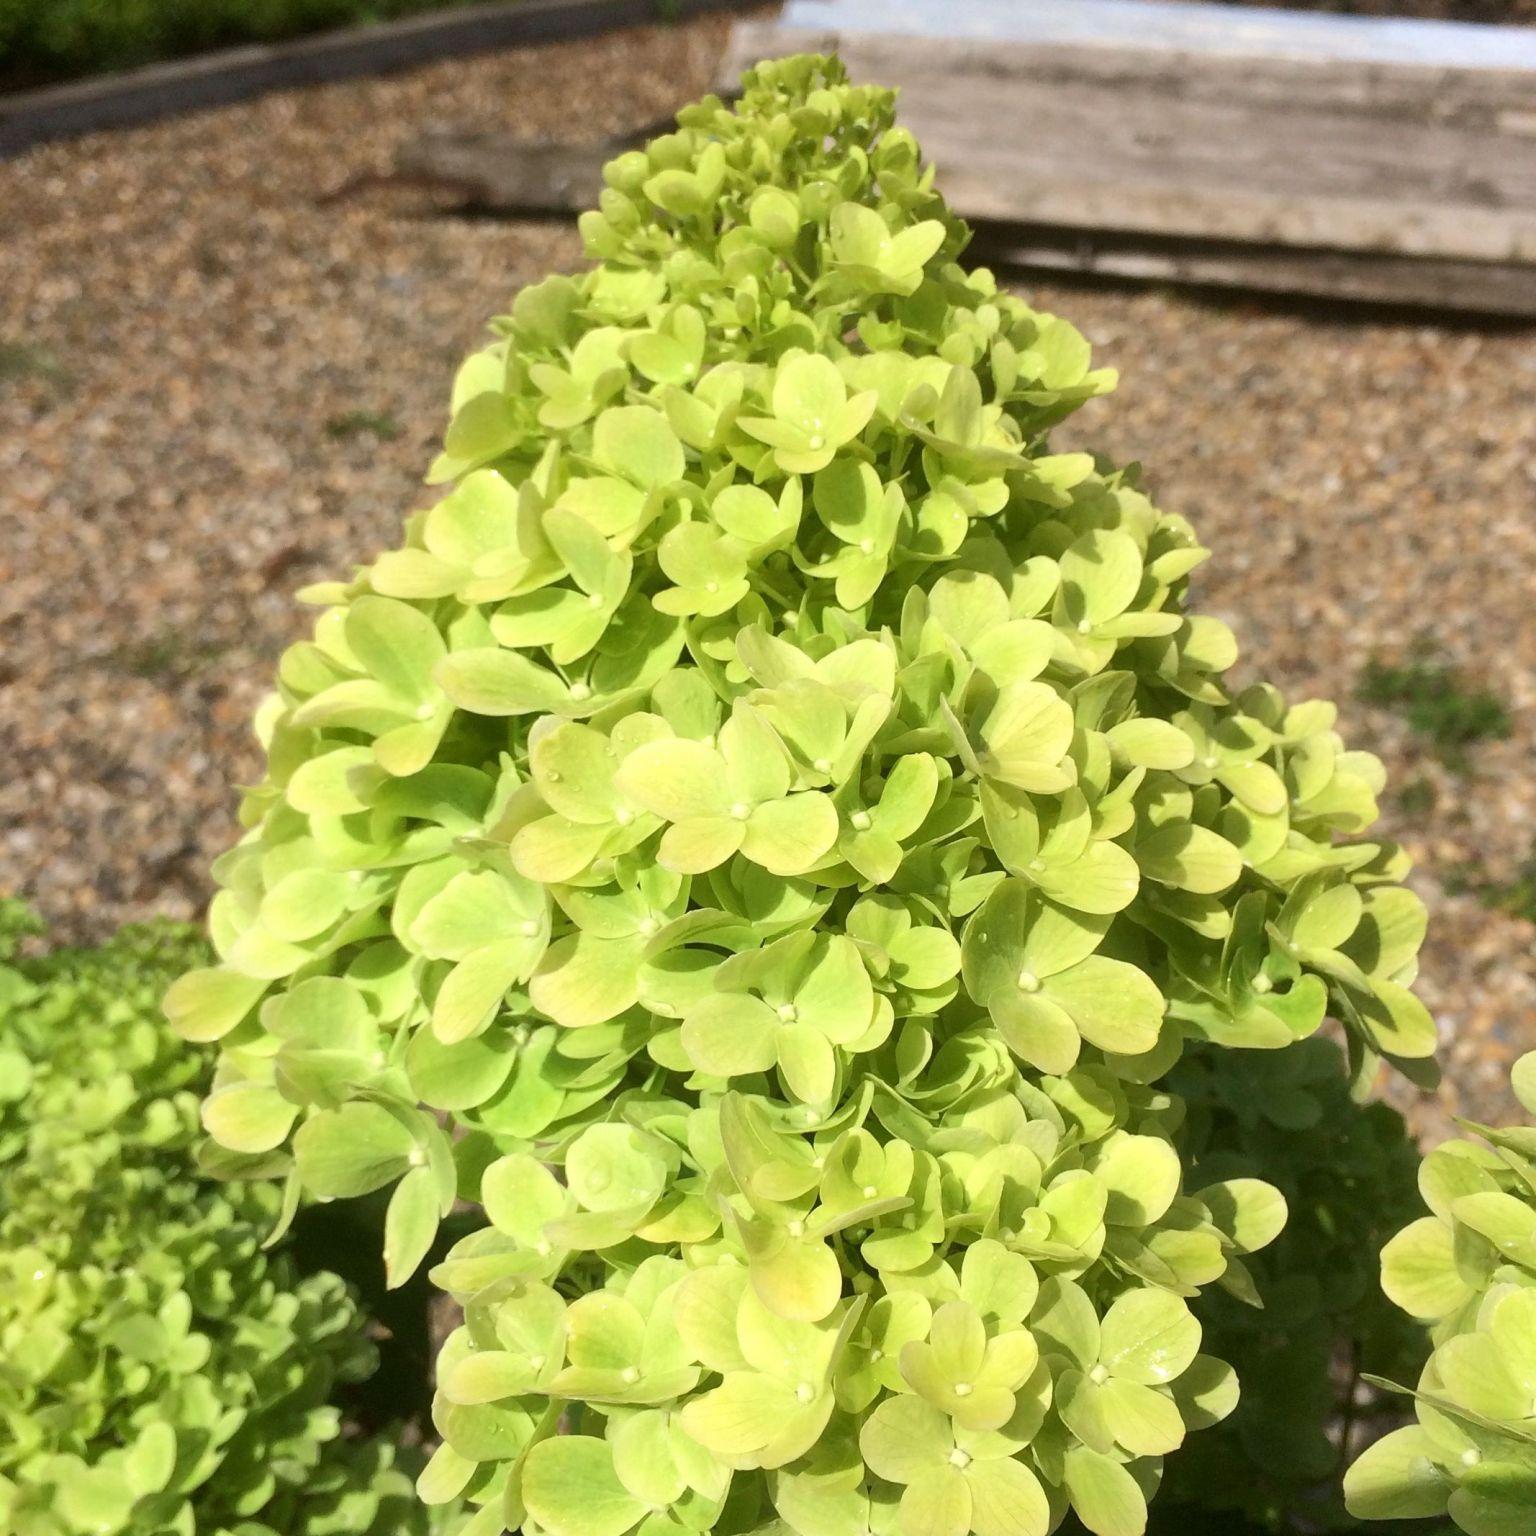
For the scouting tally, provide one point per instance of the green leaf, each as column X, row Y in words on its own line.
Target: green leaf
column 410, row 1224
column 351, row 1151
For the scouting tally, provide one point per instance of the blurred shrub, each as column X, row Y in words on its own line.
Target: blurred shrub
column 53, row 39
column 159, row 1374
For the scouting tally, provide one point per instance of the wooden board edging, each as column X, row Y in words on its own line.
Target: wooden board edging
column 219, row 79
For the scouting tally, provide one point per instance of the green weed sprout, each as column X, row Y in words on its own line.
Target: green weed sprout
column 764, row 839
column 159, row 1374
column 1468, row 1272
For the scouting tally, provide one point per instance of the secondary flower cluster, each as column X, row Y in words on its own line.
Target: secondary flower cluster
column 159, row 1374
column 1469, row 1271
column 763, row 838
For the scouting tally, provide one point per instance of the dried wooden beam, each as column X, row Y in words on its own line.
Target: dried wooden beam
column 490, row 172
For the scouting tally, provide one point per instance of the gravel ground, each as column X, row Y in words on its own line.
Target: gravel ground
column 215, row 385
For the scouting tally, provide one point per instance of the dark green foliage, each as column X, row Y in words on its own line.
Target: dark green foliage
column 1348, row 1175
column 160, row 1375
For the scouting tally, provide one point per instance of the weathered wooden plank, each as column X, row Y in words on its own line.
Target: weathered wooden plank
column 1422, row 91
column 1473, row 288
column 1272, row 32
column 491, row 173
column 1095, row 139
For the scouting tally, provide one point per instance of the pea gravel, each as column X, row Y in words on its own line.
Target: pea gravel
column 225, row 348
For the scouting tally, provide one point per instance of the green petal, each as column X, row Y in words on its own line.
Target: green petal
column 1149, row 1337
column 675, row 779
column 1106, row 1497
column 1114, row 1005
column 939, row 1504
column 788, row 837
column 1397, row 1479
column 571, row 1489
column 636, row 443
column 1007, row 1499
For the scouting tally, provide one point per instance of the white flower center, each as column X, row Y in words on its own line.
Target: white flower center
column 959, row 1459
column 741, row 810
column 822, row 765
column 788, row 1012
column 861, row 820
column 817, row 441
column 1099, row 1375
column 805, row 1392
column 1028, row 981
column 631, row 1374
column 580, row 691
column 530, row 927
column 623, row 815
column 424, row 711
column 962, row 1389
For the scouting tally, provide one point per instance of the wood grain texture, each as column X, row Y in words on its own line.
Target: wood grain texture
column 1417, row 161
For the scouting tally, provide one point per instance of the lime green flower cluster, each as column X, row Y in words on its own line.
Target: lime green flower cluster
column 1468, row 1271
column 763, row 839
column 159, row 1375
